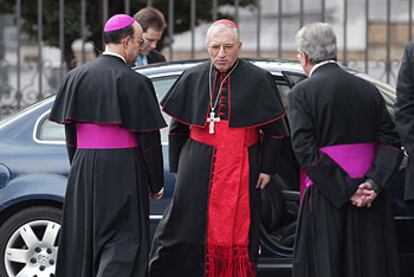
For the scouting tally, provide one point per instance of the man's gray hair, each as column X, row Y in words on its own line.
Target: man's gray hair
column 318, row 42
column 221, row 27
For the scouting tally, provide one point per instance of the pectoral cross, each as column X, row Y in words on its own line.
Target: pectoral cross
column 211, row 120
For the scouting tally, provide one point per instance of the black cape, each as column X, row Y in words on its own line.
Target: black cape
column 179, row 245
column 106, row 91
column 106, row 209
column 255, row 100
column 335, row 238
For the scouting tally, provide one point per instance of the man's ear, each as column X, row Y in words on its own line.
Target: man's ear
column 305, row 59
column 125, row 41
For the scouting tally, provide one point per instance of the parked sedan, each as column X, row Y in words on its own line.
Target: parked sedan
column 34, row 168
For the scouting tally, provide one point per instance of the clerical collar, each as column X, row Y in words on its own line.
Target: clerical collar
column 316, row 66
column 108, row 53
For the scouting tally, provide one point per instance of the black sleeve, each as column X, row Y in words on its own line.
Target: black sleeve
column 389, row 154
column 404, row 107
column 155, row 57
column 178, row 135
column 326, row 174
column 70, row 134
column 274, row 135
column 150, row 144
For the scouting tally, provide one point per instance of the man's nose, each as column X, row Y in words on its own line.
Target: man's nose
column 153, row 44
column 221, row 52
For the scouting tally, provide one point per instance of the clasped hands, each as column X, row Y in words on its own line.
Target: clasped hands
column 364, row 195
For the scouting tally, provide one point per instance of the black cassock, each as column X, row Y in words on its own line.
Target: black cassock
column 106, row 210
column 335, row 238
column 249, row 100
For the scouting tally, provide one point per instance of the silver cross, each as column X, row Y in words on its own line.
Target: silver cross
column 211, row 120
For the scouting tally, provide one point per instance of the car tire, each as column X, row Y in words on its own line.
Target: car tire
column 28, row 242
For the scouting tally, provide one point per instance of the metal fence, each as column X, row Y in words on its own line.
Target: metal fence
column 26, row 80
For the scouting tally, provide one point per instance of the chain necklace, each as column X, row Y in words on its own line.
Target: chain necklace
column 212, row 119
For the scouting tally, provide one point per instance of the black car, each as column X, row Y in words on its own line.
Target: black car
column 34, row 168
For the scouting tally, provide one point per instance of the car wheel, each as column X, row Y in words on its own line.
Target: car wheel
column 28, row 242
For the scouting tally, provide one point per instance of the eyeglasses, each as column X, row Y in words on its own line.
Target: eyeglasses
column 226, row 47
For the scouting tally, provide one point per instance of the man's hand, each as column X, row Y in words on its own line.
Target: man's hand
column 263, row 180
column 373, row 195
column 364, row 195
column 157, row 195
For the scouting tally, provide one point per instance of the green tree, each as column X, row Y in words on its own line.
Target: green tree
column 94, row 18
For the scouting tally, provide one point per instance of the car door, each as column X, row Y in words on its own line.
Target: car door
column 161, row 86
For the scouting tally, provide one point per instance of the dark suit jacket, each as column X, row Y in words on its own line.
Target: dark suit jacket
column 404, row 114
column 155, row 57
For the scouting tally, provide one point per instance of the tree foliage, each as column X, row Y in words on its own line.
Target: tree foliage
column 94, row 17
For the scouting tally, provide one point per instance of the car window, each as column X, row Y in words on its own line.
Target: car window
column 284, row 89
column 161, row 86
column 293, row 77
column 49, row 131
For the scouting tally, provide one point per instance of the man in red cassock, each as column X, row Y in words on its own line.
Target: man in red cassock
column 227, row 128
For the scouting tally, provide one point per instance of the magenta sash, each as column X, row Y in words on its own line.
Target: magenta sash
column 356, row 159
column 104, row 136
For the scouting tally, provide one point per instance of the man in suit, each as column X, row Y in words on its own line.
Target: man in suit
column 345, row 142
column 153, row 24
column 404, row 114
